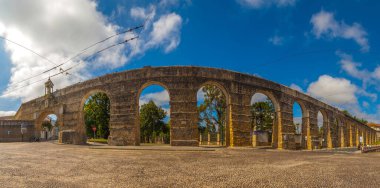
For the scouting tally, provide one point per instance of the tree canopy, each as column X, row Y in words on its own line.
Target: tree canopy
column 262, row 115
column 97, row 113
column 152, row 123
column 356, row 118
column 212, row 112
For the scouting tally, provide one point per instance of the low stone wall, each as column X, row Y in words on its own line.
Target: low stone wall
column 10, row 130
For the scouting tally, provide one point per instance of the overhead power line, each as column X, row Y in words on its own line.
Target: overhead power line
column 79, row 54
column 30, row 50
column 66, row 71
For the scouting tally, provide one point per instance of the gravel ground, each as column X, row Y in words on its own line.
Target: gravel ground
column 52, row 165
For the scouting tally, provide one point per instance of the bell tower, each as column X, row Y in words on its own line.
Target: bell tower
column 49, row 87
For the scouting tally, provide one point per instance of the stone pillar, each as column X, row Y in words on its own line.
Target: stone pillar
column 208, row 139
column 351, row 144
column 357, row 136
column 183, row 116
column 254, row 137
column 218, row 139
column 341, row 136
column 124, row 121
column 329, row 140
column 277, row 132
column 239, row 117
column 306, row 144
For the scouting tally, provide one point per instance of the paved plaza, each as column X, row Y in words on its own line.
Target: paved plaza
column 47, row 164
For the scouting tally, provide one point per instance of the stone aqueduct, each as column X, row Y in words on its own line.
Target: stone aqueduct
column 182, row 84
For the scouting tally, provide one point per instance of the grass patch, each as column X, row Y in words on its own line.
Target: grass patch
column 98, row 140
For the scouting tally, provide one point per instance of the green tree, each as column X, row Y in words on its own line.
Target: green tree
column 356, row 118
column 262, row 114
column 97, row 113
column 47, row 125
column 212, row 112
column 152, row 123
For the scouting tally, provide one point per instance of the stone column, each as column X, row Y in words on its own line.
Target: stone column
column 350, row 134
column 306, row 132
column 357, row 136
column 239, row 118
column 208, row 139
column 124, row 121
column 329, row 140
column 277, row 132
column 183, row 116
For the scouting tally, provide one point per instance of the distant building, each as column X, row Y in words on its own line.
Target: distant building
column 377, row 128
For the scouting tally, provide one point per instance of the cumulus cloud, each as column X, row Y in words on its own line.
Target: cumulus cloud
column 256, row 4
column 325, row 25
column 355, row 70
column 159, row 98
column 7, row 113
column 296, row 87
column 166, row 32
column 333, row 90
column 343, row 94
column 60, row 29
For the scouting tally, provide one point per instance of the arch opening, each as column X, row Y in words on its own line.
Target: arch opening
column 49, row 128
column 96, row 111
column 322, row 140
column 154, row 115
column 298, row 126
column 212, row 112
column 262, row 120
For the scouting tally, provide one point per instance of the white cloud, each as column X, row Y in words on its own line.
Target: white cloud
column 256, row 4
column 333, row 90
column 276, row 40
column 60, row 29
column 352, row 68
column 296, row 87
column 7, row 113
column 355, row 70
column 258, row 97
column 324, row 24
column 376, row 73
column 166, row 32
column 159, row 98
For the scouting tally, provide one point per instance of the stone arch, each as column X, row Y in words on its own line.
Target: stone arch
column 270, row 95
column 324, row 134
column 137, row 98
column 81, row 137
column 276, row 129
column 41, row 117
column 228, row 129
column 305, row 126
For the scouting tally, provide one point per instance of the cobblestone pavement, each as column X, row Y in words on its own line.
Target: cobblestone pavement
column 52, row 165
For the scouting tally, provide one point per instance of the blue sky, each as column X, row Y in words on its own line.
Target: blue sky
column 327, row 49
